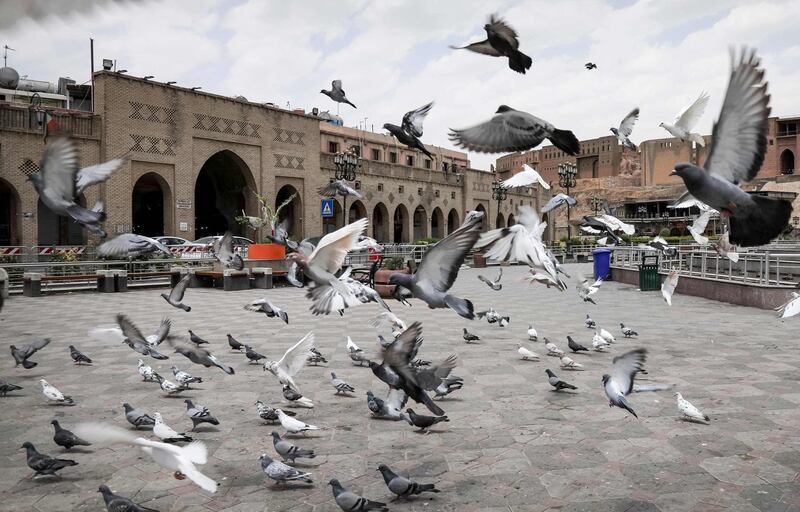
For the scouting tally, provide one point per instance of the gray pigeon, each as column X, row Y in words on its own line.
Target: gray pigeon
column 337, row 93
column 235, row 345
column 78, row 356
column 22, row 354
column 7, row 387
column 202, row 357
column 494, row 285
column 224, row 253
column 288, row 451
column 627, row 331
column 339, row 187
column 447, row 386
column 175, row 297
column 197, row 340
column 501, row 41
column 268, row 308
column 340, row 385
column 282, row 473
column 739, row 143
column 402, row 486
column 252, row 355
column 422, row 422
column 134, row 338
column 557, row 383
column 117, row 503
column 199, row 414
column 439, row 268
column 44, row 464
column 513, row 130
column 626, row 129
column 469, row 337
column 575, row 346
column 619, row 384
column 65, row 438
column 558, row 200
column 137, row 417
column 411, row 129
column 352, row 502
column 131, row 245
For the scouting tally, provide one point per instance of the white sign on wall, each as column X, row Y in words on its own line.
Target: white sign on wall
column 183, row 204
column 183, row 226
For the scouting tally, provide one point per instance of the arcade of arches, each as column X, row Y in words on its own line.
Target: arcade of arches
column 223, row 191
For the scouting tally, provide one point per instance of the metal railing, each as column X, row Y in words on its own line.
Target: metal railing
column 365, row 258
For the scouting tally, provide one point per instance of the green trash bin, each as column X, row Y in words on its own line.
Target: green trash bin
column 648, row 274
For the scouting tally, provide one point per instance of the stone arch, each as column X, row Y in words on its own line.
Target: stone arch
column 511, row 220
column 501, row 221
column 291, row 214
column 420, row 223
column 787, row 162
column 9, row 214
column 452, row 221
column 484, row 222
column 57, row 229
column 380, row 223
column 400, row 221
column 437, row 223
column 224, row 188
column 151, row 206
column 356, row 211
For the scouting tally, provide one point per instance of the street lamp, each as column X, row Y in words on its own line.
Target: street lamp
column 597, row 203
column 499, row 194
column 347, row 164
column 566, row 179
column 36, row 107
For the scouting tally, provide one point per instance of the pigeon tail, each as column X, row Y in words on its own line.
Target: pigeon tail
column 418, row 488
column 461, row 306
column 28, row 364
column 519, row 62
column 763, row 222
column 431, row 405
column 697, row 139
column 566, row 141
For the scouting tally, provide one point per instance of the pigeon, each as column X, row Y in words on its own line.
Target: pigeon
column 267, row 413
column 513, row 130
column 282, row 473
column 598, row 343
column 252, row 355
column 341, row 386
column 352, row 502
column 606, row 335
column 7, row 387
column 288, row 451
column 690, row 412
column 627, row 331
column 115, row 334
column 494, row 285
column 78, row 356
column 54, row 395
column 199, row 414
column 586, row 290
column 296, row 398
column 527, row 355
column 698, row 227
column 146, row 371
column 501, row 41
column 410, row 130
column 447, row 386
column 328, row 299
column 789, row 308
column 292, row 425
column 131, row 245
column 590, row 65
column 135, row 342
column 166, row 433
column 391, row 408
column 527, row 177
column 532, row 334
column 22, row 354
column 341, row 188
column 725, row 248
column 60, row 182
column 224, row 253
column 687, row 119
column 389, row 319
column 659, row 244
column 315, row 357
column 625, row 129
column 292, row 361
column 197, row 340
column 202, row 357
column 589, row 322
column 401, row 295
column 402, row 486
column 138, row 418
column 736, row 154
column 355, row 353
column 569, row 364
column 169, row 387
column 179, row 459
column 558, row 200
column 557, row 383
column 552, row 349
column 423, row 423
column 668, row 286
column 575, row 346
column 619, row 384
column 184, row 378
column 268, row 308
column 117, row 503
column 602, row 226
column 337, row 93
column 175, row 297
column 65, row 438
column 469, row 337
column 439, row 268
column 42, row 464
column 235, row 345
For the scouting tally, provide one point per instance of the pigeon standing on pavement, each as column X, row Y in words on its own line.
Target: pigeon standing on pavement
column 591, row 324
column 292, row 425
column 337, row 93
column 626, row 129
column 423, row 423
column 42, row 464
column 295, row 398
column 235, row 345
column 65, row 438
column 252, row 355
column 175, row 297
column 501, row 41
column 341, row 386
column 627, row 331
column 146, row 371
column 315, row 357
column 137, row 417
column 493, row 284
column 267, row 413
column 185, row 379
column 410, row 130
column 117, row 503
column 557, row 383
column 78, row 356
column 689, row 411
column 288, row 451
column 282, row 473
column 527, row 355
column 352, row 502
column 606, row 335
column 7, row 387
column 532, row 334
column 568, row 363
column 22, row 354
column 199, row 414
column 54, row 395
column 169, row 387
column 619, row 383
column 356, row 354
column 469, row 337
column 197, row 340
column 166, row 433
column 401, row 486
column 575, row 346
column 552, row 349
column 598, row 343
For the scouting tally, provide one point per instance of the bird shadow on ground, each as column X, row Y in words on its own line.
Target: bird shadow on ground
column 206, row 429
column 345, row 396
column 181, row 396
column 77, row 450
column 279, row 487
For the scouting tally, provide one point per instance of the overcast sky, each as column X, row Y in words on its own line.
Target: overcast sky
column 392, row 56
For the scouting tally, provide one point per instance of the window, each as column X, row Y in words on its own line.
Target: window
column 436, row 193
column 419, row 191
column 358, row 185
column 376, row 155
column 392, row 157
column 410, row 160
column 400, row 189
column 333, row 147
column 444, row 166
column 427, row 164
column 380, row 187
column 452, row 195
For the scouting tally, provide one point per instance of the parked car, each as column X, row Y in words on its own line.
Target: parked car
column 173, row 240
column 239, row 242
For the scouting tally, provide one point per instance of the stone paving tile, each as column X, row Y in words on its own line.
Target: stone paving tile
column 511, row 444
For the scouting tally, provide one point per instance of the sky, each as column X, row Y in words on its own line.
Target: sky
column 392, row 55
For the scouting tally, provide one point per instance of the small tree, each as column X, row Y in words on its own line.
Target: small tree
column 269, row 216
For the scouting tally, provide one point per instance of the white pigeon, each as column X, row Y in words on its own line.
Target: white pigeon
column 527, row 355
column 699, row 227
column 669, row 285
column 687, row 201
column 616, row 224
column 687, row 119
column 598, row 343
column 553, row 350
column 586, row 290
column 789, row 308
column 114, row 334
column 726, row 249
column 292, row 425
column 532, row 334
column 146, row 371
column 292, row 361
column 389, row 319
column 365, row 242
column 689, row 411
column 568, row 363
column 165, row 432
column 589, row 230
column 526, row 178
column 607, row 335
column 180, row 459
column 167, row 386
column 54, row 395
column 356, row 354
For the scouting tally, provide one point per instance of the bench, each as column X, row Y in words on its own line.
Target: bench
column 32, row 281
column 261, row 278
column 4, row 284
column 231, row 280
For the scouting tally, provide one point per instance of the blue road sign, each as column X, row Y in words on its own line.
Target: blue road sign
column 326, row 208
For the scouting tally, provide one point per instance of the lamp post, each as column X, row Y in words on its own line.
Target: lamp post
column 566, row 180
column 36, row 107
column 597, row 203
column 499, row 194
column 347, row 163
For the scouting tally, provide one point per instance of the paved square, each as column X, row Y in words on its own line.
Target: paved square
column 511, row 444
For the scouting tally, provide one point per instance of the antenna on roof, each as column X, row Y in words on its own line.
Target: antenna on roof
column 5, row 54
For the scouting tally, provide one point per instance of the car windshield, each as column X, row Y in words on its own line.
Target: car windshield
column 205, row 240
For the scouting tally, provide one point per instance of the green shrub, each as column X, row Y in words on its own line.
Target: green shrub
column 426, row 241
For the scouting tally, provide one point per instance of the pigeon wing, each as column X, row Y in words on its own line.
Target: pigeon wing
column 59, row 167
column 223, row 247
column 88, row 176
column 129, row 330
column 482, row 47
column 177, row 292
column 295, row 358
column 626, row 126
column 510, row 131
column 412, row 121
column 440, row 264
column 526, row 178
column 333, row 248
column 625, row 367
column 691, row 114
column 508, row 34
column 700, row 223
column 328, row 190
column 336, row 85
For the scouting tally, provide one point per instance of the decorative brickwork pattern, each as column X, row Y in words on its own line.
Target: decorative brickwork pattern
column 222, row 125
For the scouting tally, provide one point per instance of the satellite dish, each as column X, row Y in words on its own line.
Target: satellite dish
column 9, row 78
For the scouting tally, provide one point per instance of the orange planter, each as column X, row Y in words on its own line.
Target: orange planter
column 266, row 252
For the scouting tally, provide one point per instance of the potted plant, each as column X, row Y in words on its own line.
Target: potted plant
column 269, row 217
column 392, row 265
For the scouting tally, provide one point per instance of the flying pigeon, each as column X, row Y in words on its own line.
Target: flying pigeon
column 513, row 130
column 166, row 433
column 54, row 395
column 447, row 386
column 183, row 378
column 687, row 119
column 117, row 503
column 22, row 354
column 235, row 345
column 410, row 130
column 138, row 418
column 199, row 414
column 328, row 299
column 341, row 386
column 494, row 285
column 115, row 335
column 224, row 253
column 295, row 398
column 469, row 337
column 201, row 356
column 602, row 226
column 619, row 384
column 627, row 331
column 668, row 286
column 288, row 451
column 146, row 371
column 389, row 319
column 7, row 387
column 167, row 386
column 42, row 464
column 736, row 154
column 78, row 356
column 501, row 41
column 268, row 308
column 726, row 249
column 532, row 334
column 134, row 338
column 352, row 502
column 131, row 245
column 661, row 245
column 292, row 361
column 65, row 438
column 267, row 413
column 589, row 322
column 789, row 308
column 526, row 178
column 292, row 425
column 402, row 486
column 575, row 346
column 339, row 187
column 175, row 297
column 586, row 290
column 568, row 363
column 439, row 268
column 527, row 355
column 590, row 65
column 337, row 93
column 558, row 200
column 355, row 353
column 689, row 411
column 626, row 128
column 552, row 349
column 557, row 383
column 698, row 227
column 423, row 423
column 282, row 473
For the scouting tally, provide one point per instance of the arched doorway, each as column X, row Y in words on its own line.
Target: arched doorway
column 224, row 188
column 420, row 223
column 57, row 229
column 484, row 220
column 292, row 214
column 501, row 221
column 511, row 220
column 452, row 221
column 356, row 211
column 150, row 205
column 9, row 214
column 400, row 224
column 331, row 224
column 437, row 223
column 595, row 171
column 380, row 223
column 787, row 162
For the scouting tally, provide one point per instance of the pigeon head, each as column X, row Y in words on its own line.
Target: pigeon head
column 104, row 489
column 335, row 483
column 549, row 373
column 127, row 406
column 54, row 422
column 503, row 108
column 661, row 125
column 265, row 458
column 677, row 395
column 27, row 444
column 275, row 435
column 614, row 131
column 606, row 377
column 688, row 172
column 43, row 382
